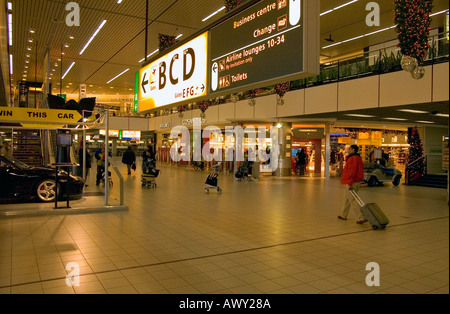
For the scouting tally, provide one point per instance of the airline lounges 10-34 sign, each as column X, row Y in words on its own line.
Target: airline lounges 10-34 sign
column 266, row 42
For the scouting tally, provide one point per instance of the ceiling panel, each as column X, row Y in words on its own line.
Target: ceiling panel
column 120, row 44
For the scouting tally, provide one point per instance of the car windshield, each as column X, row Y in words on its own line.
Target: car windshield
column 14, row 162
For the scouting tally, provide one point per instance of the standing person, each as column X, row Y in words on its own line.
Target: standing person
column 129, row 158
column 88, row 159
column 301, row 162
column 352, row 175
column 100, row 157
column 340, row 162
column 148, row 155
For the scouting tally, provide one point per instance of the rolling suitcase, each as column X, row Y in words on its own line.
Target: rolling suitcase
column 372, row 212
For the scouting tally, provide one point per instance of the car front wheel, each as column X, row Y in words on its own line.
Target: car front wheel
column 46, row 190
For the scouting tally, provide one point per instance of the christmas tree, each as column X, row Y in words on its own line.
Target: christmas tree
column 412, row 18
column 415, row 153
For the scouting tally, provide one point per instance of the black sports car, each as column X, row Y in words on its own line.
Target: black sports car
column 20, row 181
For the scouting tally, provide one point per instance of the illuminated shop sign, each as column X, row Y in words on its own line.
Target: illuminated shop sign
column 111, row 133
column 131, row 135
column 178, row 76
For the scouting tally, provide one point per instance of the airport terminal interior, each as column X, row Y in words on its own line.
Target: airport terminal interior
column 184, row 87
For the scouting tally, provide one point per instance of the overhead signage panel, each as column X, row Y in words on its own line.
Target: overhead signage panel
column 260, row 44
column 179, row 75
column 39, row 115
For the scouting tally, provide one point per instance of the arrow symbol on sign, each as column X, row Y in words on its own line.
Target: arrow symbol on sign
column 203, row 88
column 144, row 82
column 215, row 67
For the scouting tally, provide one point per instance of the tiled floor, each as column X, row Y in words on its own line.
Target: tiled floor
column 278, row 235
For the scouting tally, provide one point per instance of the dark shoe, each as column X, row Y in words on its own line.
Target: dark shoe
column 360, row 222
column 342, row 218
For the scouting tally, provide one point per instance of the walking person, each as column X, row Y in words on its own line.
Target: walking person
column 81, row 160
column 129, row 158
column 100, row 157
column 352, row 175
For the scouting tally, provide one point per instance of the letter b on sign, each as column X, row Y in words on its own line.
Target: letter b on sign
column 373, row 278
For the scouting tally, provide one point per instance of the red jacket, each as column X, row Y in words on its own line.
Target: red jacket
column 353, row 170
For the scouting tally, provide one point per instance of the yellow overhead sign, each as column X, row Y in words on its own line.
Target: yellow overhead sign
column 178, row 76
column 39, row 115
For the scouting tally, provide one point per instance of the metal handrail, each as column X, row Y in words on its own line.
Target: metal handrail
column 408, row 166
column 414, row 162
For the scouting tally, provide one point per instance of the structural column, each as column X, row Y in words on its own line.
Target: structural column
column 327, row 150
column 285, row 151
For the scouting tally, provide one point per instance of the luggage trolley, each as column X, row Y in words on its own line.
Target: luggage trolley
column 211, row 180
column 150, row 173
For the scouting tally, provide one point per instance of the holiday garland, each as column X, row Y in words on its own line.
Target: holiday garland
column 181, row 108
column 203, row 105
column 252, row 93
column 412, row 18
column 231, row 4
column 165, row 41
column 282, row 88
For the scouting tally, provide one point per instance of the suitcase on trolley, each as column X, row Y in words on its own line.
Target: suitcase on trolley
column 372, row 212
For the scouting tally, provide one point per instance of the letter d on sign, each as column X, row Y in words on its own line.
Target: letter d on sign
column 373, row 278
column 73, row 277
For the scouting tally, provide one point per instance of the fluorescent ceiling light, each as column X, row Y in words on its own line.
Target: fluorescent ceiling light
column 9, row 5
column 440, row 12
column 10, row 34
column 338, row 7
column 178, row 36
column 442, row 115
column 395, row 119
column 214, row 13
column 119, row 1
column 149, row 55
column 10, row 64
column 117, row 76
column 357, row 37
column 360, row 115
column 413, row 111
column 93, row 36
column 73, row 63
column 426, row 122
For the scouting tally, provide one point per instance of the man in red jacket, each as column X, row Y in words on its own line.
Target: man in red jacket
column 352, row 175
